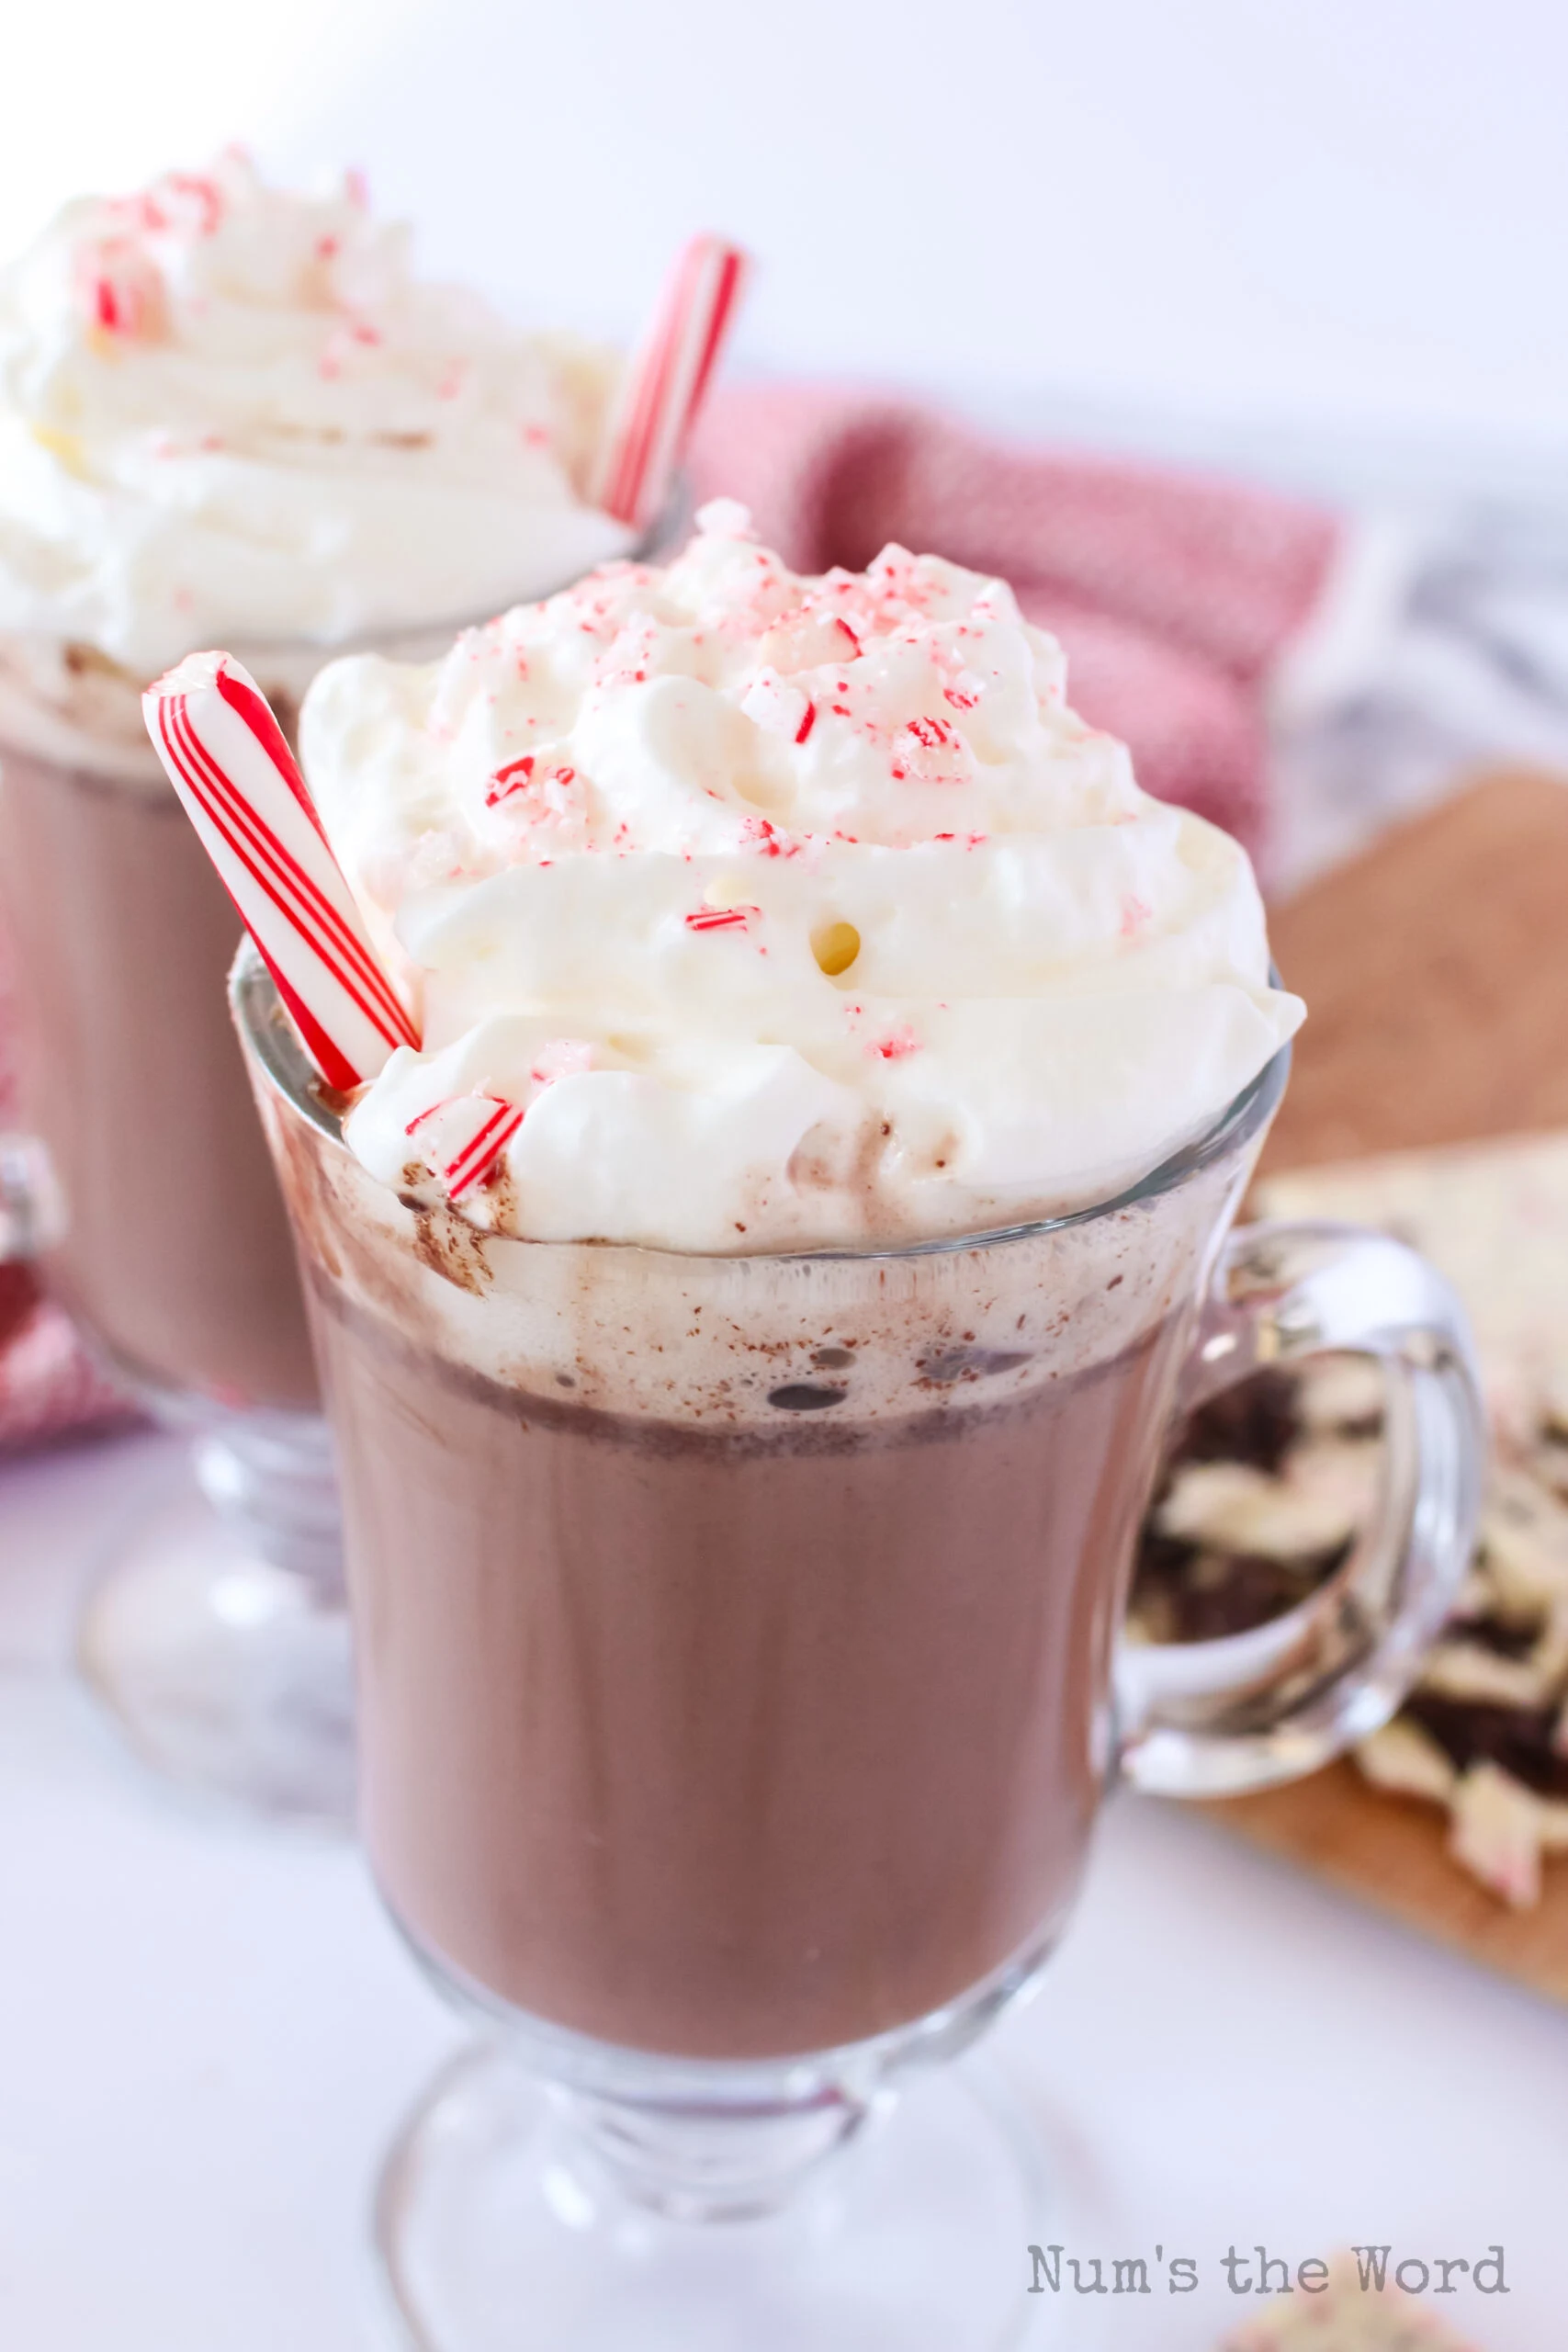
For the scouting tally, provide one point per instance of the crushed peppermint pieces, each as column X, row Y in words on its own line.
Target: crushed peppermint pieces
column 120, row 290
column 931, row 751
column 894, row 1047
column 461, row 1140
column 721, row 917
column 562, row 1058
column 514, row 776
column 462, row 1137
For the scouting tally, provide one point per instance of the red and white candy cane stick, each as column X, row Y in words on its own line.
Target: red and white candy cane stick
column 667, row 380
column 226, row 757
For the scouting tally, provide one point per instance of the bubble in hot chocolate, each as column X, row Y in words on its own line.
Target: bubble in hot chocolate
column 789, row 911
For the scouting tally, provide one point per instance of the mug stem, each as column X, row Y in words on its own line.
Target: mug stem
column 510, row 2212
column 697, row 2163
column 271, row 1480
column 219, row 1639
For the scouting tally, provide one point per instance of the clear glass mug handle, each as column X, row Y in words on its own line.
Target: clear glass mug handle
column 1214, row 1718
column 33, row 1207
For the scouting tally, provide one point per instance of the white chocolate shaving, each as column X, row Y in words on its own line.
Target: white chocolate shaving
column 1496, row 1834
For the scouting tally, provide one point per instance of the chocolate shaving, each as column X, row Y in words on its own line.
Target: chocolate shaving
column 1256, row 1422
column 1478, row 1730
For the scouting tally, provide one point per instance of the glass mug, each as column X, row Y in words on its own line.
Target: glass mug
column 739, row 1678
column 219, row 1640
column 218, row 1637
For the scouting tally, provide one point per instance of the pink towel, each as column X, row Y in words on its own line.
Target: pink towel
column 1172, row 595
column 49, row 1385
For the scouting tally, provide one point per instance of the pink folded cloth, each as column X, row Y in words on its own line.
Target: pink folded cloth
column 48, row 1382
column 1173, row 596
column 50, row 1386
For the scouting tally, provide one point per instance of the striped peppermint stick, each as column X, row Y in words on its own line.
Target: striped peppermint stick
column 225, row 758
column 666, row 384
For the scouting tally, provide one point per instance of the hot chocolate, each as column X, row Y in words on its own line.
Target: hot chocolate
column 734, row 1634
column 734, row 1742
column 735, row 1628
column 176, row 1255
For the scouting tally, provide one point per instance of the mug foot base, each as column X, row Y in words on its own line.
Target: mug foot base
column 226, row 1674
column 493, row 2233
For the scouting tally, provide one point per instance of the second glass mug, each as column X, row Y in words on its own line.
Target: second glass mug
column 740, row 1677
column 218, row 1638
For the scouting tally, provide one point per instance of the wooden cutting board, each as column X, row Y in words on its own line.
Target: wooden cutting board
column 1434, row 970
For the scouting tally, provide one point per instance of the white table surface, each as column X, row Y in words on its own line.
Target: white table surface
column 207, row 2034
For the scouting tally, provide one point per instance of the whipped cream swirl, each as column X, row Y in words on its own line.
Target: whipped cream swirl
column 787, row 912
column 230, row 414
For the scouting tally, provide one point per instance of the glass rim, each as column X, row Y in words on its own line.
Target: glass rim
column 273, row 1045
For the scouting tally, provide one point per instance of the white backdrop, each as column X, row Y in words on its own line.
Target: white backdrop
column 1347, row 214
